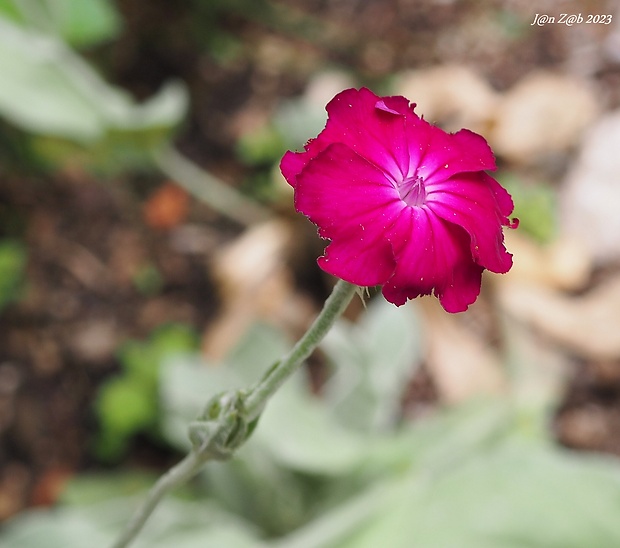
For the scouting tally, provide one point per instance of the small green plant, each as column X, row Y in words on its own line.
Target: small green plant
column 12, row 265
column 127, row 404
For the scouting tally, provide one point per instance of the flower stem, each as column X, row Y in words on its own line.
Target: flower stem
column 177, row 475
column 334, row 306
column 254, row 402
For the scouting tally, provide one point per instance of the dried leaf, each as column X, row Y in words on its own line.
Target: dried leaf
column 543, row 114
column 453, row 96
column 256, row 284
column 461, row 364
column 591, row 194
column 588, row 325
column 167, row 207
column 563, row 263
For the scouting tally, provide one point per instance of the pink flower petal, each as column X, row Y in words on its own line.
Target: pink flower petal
column 291, row 165
column 463, row 289
column 395, row 104
column 366, row 266
column 353, row 203
column 503, row 200
column 431, row 255
column 437, row 155
column 371, row 130
column 468, row 200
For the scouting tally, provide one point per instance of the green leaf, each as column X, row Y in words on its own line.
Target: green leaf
column 60, row 529
column 9, row 10
column 373, row 363
column 84, row 22
column 179, row 523
column 90, row 488
column 339, row 524
column 510, row 497
column 471, row 483
column 300, row 432
column 50, row 91
column 257, row 488
column 78, row 22
column 260, row 345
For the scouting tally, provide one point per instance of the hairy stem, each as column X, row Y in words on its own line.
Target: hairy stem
column 254, row 402
column 177, row 475
column 334, row 306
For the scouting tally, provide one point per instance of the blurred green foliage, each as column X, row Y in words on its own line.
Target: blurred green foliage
column 127, row 404
column 535, row 206
column 289, row 128
column 148, row 280
column 345, row 469
column 80, row 23
column 12, row 266
column 262, row 148
column 70, row 112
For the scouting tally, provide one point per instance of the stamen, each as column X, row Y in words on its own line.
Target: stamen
column 412, row 191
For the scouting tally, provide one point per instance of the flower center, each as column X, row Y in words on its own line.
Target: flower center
column 412, row 191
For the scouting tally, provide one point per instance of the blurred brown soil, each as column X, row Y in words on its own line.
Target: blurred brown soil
column 88, row 245
column 89, row 241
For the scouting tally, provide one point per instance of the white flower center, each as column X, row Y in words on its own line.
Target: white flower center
column 412, row 191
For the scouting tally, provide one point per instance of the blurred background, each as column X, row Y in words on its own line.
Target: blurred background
column 150, row 256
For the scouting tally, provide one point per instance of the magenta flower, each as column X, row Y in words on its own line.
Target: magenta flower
column 404, row 204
